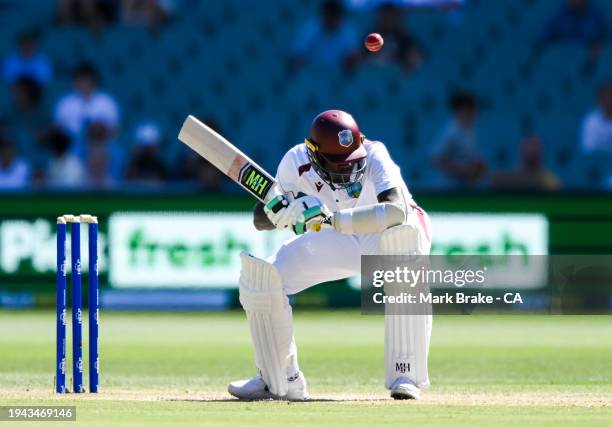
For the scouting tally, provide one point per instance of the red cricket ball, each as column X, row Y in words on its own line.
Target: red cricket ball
column 373, row 42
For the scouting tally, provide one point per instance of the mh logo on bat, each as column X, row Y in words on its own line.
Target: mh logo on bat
column 402, row 367
column 255, row 181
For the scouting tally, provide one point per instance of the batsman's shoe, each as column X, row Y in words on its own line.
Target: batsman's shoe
column 403, row 389
column 256, row 389
column 297, row 388
column 253, row 389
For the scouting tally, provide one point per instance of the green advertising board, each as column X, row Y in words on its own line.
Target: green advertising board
column 182, row 241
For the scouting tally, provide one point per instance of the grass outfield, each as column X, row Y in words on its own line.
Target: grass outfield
column 166, row 369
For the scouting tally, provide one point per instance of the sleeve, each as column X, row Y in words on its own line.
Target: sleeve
column 286, row 174
column 385, row 172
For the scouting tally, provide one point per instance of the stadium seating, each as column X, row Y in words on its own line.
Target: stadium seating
column 227, row 60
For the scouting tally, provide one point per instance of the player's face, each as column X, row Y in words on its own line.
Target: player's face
column 344, row 174
column 339, row 167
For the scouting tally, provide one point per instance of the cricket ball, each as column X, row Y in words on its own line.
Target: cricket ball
column 373, row 42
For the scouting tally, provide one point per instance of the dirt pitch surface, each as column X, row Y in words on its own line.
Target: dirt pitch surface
column 427, row 398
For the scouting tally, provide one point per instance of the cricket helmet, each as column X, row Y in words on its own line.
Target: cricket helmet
column 335, row 148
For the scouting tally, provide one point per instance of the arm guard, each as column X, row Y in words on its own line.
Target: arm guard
column 369, row 219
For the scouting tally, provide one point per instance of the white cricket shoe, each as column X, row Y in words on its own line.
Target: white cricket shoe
column 256, row 389
column 403, row 389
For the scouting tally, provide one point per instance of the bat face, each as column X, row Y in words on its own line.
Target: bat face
column 228, row 159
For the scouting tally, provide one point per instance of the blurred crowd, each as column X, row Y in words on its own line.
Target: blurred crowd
column 81, row 143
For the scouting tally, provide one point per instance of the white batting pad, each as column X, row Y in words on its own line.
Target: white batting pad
column 407, row 335
column 269, row 316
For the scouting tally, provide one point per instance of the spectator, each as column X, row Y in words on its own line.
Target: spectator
column 86, row 104
column 400, row 46
column 149, row 13
column 27, row 61
column 14, row 172
column 597, row 125
column 576, row 21
column 145, row 165
column 27, row 95
column 532, row 174
column 596, row 139
column 104, row 160
column 327, row 40
column 456, row 151
column 206, row 177
column 65, row 169
column 26, row 119
column 95, row 14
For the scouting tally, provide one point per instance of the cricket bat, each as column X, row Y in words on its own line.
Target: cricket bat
column 233, row 162
column 229, row 159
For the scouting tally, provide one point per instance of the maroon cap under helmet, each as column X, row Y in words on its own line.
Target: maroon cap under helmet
column 336, row 136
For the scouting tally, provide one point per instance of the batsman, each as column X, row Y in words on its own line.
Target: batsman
column 349, row 189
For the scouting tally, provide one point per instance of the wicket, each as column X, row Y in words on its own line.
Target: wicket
column 76, row 296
